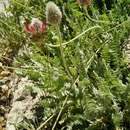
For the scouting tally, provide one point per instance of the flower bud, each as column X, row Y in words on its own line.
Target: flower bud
column 85, row 2
column 53, row 13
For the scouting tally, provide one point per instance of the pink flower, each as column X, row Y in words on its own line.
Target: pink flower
column 35, row 27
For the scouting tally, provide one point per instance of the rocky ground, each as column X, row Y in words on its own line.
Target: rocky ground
column 19, row 97
column 19, row 100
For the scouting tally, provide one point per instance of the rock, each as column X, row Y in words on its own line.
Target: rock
column 24, row 103
column 3, row 3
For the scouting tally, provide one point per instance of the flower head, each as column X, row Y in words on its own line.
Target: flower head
column 35, row 26
column 53, row 13
column 85, row 2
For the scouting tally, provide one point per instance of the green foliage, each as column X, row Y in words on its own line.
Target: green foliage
column 96, row 97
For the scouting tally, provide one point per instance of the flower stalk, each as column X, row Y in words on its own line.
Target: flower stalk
column 54, row 16
column 62, row 54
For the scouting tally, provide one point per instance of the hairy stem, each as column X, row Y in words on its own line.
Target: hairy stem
column 62, row 54
column 78, row 36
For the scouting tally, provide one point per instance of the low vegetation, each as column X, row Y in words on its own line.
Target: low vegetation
column 79, row 60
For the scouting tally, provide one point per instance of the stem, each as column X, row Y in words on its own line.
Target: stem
column 78, row 36
column 53, row 128
column 94, row 20
column 111, row 29
column 44, row 123
column 92, row 58
column 62, row 54
column 64, row 103
column 84, row 32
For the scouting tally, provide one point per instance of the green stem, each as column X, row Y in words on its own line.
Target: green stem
column 62, row 54
column 92, row 57
column 64, row 103
column 94, row 20
column 84, row 32
column 78, row 36
column 59, row 114
column 44, row 123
